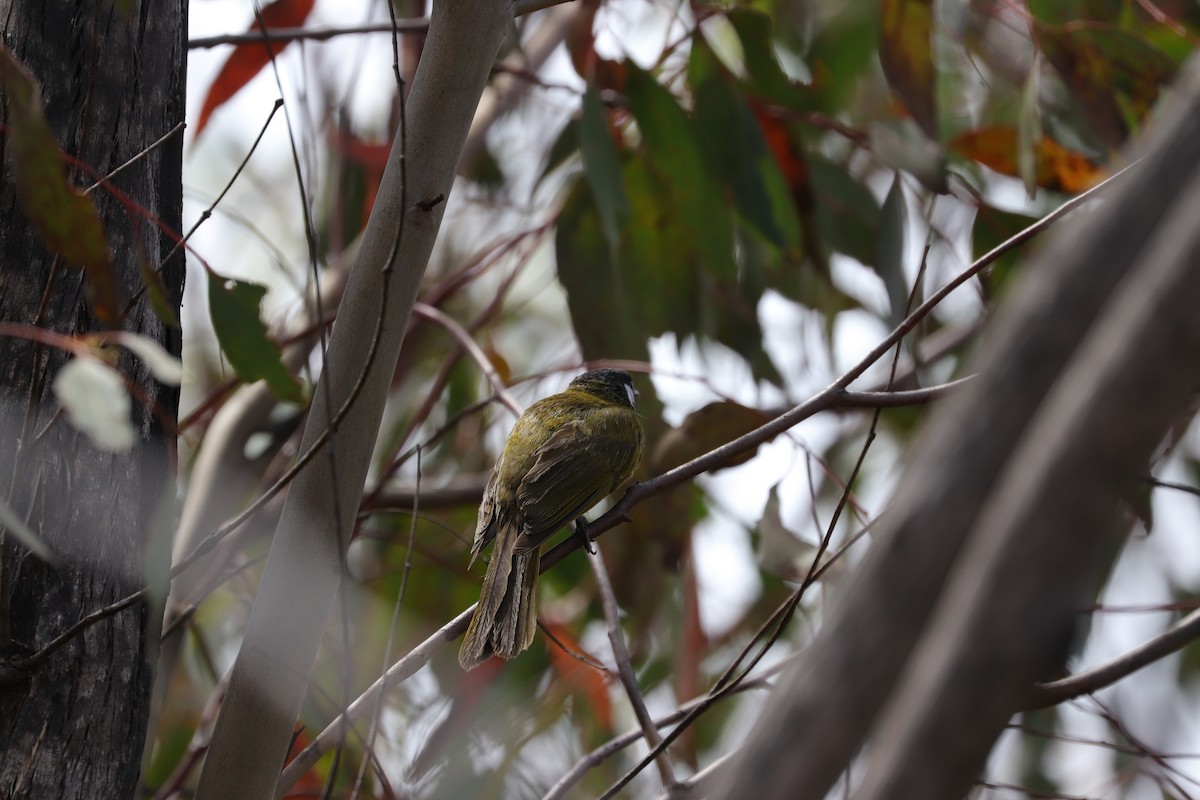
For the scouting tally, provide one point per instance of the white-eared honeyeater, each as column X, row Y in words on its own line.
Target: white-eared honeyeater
column 566, row 453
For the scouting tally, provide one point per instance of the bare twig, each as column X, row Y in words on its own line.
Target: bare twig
column 1179, row 487
column 612, row 616
column 414, row 25
column 391, row 638
column 166, row 137
column 29, row 663
column 403, row 669
column 698, row 784
column 619, row 743
column 473, row 350
column 1184, row 632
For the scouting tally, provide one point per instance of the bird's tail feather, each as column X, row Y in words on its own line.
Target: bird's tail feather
column 476, row 646
column 516, row 621
column 505, row 619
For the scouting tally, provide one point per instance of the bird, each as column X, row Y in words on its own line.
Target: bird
column 566, row 453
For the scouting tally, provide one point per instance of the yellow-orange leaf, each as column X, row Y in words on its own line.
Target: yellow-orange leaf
column 1058, row 168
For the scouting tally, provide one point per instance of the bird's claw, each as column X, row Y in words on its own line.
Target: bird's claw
column 581, row 529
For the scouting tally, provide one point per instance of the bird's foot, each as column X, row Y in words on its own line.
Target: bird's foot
column 581, row 530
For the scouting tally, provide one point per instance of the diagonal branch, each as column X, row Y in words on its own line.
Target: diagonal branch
column 1186, row 631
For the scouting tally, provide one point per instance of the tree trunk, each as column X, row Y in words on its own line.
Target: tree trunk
column 112, row 77
column 951, row 531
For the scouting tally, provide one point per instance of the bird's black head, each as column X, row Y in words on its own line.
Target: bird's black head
column 613, row 385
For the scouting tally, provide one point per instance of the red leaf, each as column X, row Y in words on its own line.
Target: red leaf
column 249, row 58
column 582, row 678
column 788, row 154
column 309, row 782
column 372, row 155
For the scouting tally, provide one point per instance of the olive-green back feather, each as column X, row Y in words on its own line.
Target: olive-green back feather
column 566, row 453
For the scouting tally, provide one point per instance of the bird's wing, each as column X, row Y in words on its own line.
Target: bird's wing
column 485, row 531
column 571, row 474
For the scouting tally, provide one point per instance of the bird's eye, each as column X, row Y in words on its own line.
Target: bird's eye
column 632, row 394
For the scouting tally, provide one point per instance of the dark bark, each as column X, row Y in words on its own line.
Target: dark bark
column 112, row 82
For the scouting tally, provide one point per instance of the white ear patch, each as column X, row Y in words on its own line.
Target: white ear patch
column 631, row 393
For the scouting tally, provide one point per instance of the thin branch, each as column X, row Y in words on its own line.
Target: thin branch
column 29, row 663
column 208, row 212
column 412, row 25
column 896, row 399
column 612, row 616
column 403, row 669
column 699, row 784
column 788, row 610
column 1109, row 716
column 460, row 491
column 464, row 490
column 391, row 637
column 1184, row 632
column 619, row 743
column 473, row 350
column 166, row 137
column 1179, row 487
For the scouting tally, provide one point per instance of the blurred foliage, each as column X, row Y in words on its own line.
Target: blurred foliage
column 813, row 155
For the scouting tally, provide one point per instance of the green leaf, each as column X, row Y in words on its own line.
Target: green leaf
column 992, row 227
column 486, row 171
column 234, row 306
column 1074, row 11
column 1114, row 76
column 565, row 146
column 844, row 47
column 65, row 218
column 847, row 213
column 607, row 323
column 602, row 166
column 758, row 46
column 171, row 746
column 889, row 265
column 674, row 149
column 733, row 145
column 661, row 262
column 1029, row 131
column 781, row 551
